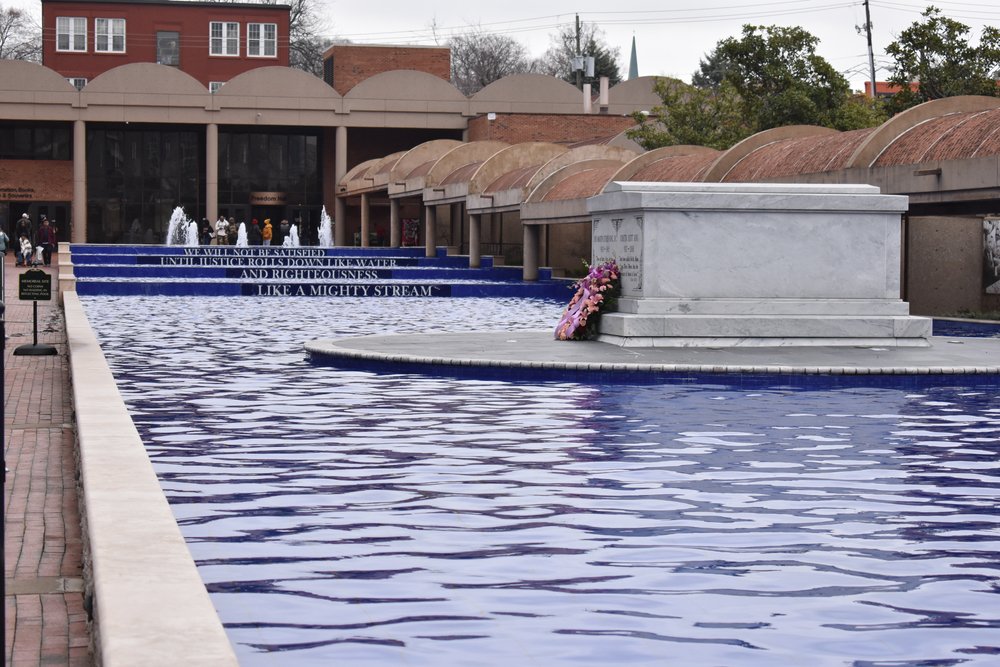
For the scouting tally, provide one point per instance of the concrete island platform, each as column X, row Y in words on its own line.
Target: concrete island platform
column 535, row 354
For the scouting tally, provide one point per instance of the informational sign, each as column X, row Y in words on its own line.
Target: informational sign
column 34, row 285
column 620, row 239
column 269, row 198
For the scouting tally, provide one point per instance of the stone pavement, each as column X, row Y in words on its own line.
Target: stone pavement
column 45, row 619
column 537, row 349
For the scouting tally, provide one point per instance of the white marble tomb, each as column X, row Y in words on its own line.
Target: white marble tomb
column 754, row 264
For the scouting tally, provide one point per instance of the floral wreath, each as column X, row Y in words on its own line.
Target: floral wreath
column 595, row 294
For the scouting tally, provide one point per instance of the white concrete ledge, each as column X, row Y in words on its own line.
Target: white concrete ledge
column 150, row 606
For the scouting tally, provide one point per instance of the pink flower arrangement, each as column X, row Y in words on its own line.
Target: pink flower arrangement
column 596, row 293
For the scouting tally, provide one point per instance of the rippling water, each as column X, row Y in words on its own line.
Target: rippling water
column 342, row 517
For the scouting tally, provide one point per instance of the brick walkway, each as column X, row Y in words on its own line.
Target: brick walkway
column 46, row 621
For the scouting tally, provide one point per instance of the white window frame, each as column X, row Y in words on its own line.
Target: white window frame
column 112, row 33
column 227, row 43
column 77, row 81
column 259, row 42
column 74, row 29
column 213, row 86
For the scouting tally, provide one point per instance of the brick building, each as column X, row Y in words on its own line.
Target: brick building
column 347, row 65
column 211, row 41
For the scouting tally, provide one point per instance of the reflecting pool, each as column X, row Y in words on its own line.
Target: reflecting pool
column 344, row 517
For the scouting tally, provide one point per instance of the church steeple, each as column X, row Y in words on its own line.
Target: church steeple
column 633, row 65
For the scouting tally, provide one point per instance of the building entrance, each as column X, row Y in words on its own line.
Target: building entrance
column 308, row 220
column 272, row 213
column 57, row 213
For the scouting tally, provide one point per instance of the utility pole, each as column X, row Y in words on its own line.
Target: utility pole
column 871, row 56
column 579, row 73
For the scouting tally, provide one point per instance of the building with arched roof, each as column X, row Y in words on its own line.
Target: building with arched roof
column 140, row 139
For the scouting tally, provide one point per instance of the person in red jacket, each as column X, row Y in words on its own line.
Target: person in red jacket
column 47, row 241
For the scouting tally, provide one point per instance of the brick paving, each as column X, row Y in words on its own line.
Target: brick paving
column 45, row 619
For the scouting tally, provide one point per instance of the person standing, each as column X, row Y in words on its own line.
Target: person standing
column 23, row 227
column 222, row 231
column 254, row 236
column 206, row 233
column 268, row 232
column 234, row 232
column 46, row 241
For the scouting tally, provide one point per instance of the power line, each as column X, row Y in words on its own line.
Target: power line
column 429, row 33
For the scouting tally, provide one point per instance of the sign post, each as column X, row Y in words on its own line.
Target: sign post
column 35, row 285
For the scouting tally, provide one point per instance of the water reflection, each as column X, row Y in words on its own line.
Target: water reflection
column 347, row 517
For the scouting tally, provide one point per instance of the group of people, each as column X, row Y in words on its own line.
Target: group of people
column 226, row 232
column 31, row 247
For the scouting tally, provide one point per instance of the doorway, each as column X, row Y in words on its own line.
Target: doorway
column 308, row 219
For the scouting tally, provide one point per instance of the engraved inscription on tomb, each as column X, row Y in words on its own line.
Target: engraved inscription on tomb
column 620, row 239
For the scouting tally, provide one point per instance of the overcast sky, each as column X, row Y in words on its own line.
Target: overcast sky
column 669, row 42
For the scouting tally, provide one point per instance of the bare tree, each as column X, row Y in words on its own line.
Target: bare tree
column 557, row 61
column 478, row 58
column 20, row 36
column 306, row 43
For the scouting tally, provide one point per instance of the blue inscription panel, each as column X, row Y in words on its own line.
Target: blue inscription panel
column 345, row 290
column 326, row 273
column 277, row 261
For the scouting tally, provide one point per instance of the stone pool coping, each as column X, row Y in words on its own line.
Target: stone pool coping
column 150, row 606
column 536, row 350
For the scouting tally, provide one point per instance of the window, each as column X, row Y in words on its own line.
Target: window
column 44, row 142
column 213, row 86
column 109, row 35
column 224, row 39
column 79, row 83
column 262, row 40
column 71, row 34
column 168, row 50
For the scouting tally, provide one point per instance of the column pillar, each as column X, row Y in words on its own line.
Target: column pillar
column 475, row 227
column 531, row 252
column 79, row 182
column 340, row 170
column 365, row 218
column 456, row 225
column 212, row 173
column 430, row 230
column 395, row 224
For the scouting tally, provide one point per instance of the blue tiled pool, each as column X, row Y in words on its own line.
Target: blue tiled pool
column 345, row 517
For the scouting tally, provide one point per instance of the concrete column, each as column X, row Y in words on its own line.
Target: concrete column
column 212, row 173
column 79, row 182
column 456, row 225
column 430, row 230
column 365, row 218
column 531, row 252
column 340, row 170
column 395, row 224
column 475, row 254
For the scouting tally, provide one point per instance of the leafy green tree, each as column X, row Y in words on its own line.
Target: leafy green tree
column 935, row 54
column 768, row 77
column 557, row 61
column 780, row 79
column 692, row 116
column 711, row 71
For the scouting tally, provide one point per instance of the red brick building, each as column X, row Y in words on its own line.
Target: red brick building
column 515, row 128
column 347, row 65
column 211, row 41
